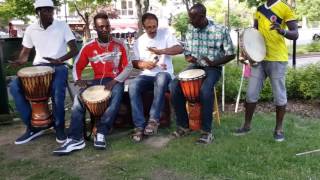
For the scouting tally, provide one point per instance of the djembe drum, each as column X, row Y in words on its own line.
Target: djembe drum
column 36, row 83
column 96, row 100
column 190, row 82
column 252, row 45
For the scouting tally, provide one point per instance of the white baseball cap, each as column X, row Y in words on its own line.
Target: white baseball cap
column 43, row 3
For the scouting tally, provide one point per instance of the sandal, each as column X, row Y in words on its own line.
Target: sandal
column 151, row 128
column 205, row 138
column 137, row 135
column 181, row 132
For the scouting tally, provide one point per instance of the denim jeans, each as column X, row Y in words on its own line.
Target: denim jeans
column 141, row 84
column 106, row 120
column 58, row 94
column 206, row 98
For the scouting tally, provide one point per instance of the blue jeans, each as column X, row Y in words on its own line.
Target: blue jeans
column 58, row 94
column 141, row 84
column 206, row 98
column 106, row 120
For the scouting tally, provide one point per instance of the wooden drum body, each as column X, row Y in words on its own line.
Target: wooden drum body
column 190, row 82
column 96, row 100
column 252, row 45
column 36, row 83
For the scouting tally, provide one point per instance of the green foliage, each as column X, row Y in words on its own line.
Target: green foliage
column 308, row 81
column 240, row 14
column 301, row 83
column 180, row 23
column 253, row 3
column 308, row 8
column 18, row 9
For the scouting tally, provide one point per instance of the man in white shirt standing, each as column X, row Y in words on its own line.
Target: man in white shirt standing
column 50, row 39
column 152, row 54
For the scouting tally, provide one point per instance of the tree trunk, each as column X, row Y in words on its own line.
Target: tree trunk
column 87, row 34
column 140, row 11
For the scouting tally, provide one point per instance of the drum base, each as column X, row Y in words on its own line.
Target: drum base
column 194, row 113
column 41, row 115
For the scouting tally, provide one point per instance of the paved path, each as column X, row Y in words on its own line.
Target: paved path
column 303, row 60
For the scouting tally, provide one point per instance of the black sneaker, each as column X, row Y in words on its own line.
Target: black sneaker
column 69, row 146
column 28, row 136
column 241, row 131
column 278, row 136
column 60, row 136
column 99, row 141
column 205, row 138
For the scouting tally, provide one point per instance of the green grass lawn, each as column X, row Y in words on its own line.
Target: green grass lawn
column 254, row 156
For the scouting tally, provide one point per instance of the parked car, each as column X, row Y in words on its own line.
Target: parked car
column 3, row 34
column 316, row 37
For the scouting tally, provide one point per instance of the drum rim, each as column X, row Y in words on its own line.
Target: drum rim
column 35, row 75
column 98, row 101
column 194, row 78
column 245, row 49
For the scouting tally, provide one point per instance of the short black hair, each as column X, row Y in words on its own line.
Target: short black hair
column 99, row 15
column 200, row 8
column 146, row 16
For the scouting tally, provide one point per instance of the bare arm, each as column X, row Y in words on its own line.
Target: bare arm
column 23, row 57
column 73, row 50
column 292, row 33
column 174, row 50
column 140, row 64
column 221, row 61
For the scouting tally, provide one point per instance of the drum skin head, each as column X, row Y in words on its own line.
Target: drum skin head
column 35, row 71
column 253, row 44
column 191, row 74
column 96, row 94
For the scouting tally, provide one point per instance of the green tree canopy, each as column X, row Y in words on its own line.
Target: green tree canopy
column 240, row 14
column 309, row 9
column 18, row 9
column 180, row 23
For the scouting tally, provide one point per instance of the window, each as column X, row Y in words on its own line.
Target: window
column 127, row 7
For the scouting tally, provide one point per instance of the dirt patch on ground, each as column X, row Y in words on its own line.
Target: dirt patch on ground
column 157, row 141
column 301, row 108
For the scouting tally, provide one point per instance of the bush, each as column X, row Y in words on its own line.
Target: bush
column 301, row 83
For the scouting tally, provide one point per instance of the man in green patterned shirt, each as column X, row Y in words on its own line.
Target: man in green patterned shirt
column 208, row 47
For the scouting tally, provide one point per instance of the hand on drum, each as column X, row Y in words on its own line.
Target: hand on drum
column 191, row 59
column 16, row 64
column 109, row 85
column 81, row 83
column 52, row 60
column 243, row 58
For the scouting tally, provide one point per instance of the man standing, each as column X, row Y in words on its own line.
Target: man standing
column 50, row 39
column 271, row 19
column 108, row 60
column 152, row 54
column 208, row 47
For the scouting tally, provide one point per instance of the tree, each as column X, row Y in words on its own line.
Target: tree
column 189, row 3
column 309, row 9
column 240, row 15
column 85, row 8
column 18, row 9
column 180, row 23
column 142, row 7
